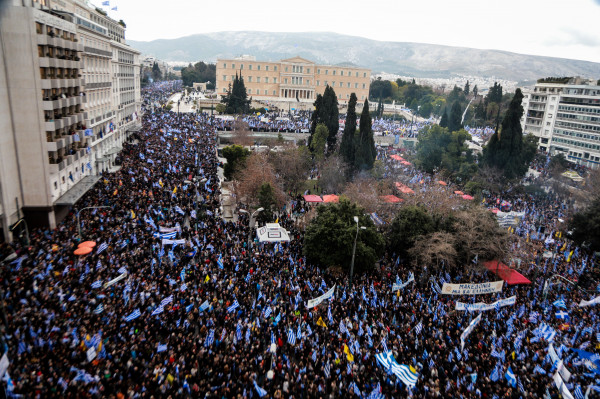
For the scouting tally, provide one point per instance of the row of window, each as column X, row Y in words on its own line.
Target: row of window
column 592, row 128
column 298, row 69
column 587, row 110
column 578, row 117
column 576, row 134
column 576, row 143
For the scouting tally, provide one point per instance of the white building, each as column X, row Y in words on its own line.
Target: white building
column 565, row 116
column 62, row 116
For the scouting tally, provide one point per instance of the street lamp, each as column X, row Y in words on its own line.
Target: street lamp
column 250, row 223
column 354, row 248
column 78, row 212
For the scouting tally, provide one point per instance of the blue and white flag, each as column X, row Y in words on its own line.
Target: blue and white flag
column 510, row 377
column 211, row 338
column 562, row 315
column 220, row 261
column 261, row 392
column 101, row 248
column 106, row 3
column 233, row 306
column 161, row 348
column 99, row 309
column 158, row 310
column 97, row 284
column 166, row 301
column 134, row 315
column 560, row 303
column 291, row 337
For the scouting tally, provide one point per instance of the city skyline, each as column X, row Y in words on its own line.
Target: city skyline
column 533, row 27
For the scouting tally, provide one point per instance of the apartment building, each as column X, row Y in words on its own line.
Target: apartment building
column 62, row 118
column 565, row 116
column 293, row 79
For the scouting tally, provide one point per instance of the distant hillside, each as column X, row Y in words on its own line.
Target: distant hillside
column 424, row 60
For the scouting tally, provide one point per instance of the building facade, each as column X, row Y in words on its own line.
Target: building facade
column 293, row 79
column 58, row 107
column 565, row 116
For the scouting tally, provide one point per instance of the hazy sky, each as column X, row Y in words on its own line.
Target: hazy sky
column 559, row 28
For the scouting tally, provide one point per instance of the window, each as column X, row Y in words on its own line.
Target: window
column 232, row 78
column 266, row 80
column 225, row 65
column 274, row 90
column 364, row 75
column 348, row 84
column 258, row 79
column 357, row 76
column 242, row 66
column 249, row 79
column 286, row 69
column 327, row 72
column 356, row 85
column 275, row 79
column 249, row 91
column 232, row 66
column 250, row 67
column 224, row 77
column 286, row 80
column 318, row 82
column 319, row 71
column 307, row 70
column 364, row 86
column 258, row 67
column 342, row 73
column 332, row 84
column 266, row 67
column 275, row 68
column 334, row 71
column 266, row 92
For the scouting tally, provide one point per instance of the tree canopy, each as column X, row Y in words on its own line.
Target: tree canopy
column 199, row 73
column 236, row 100
column 347, row 145
column 329, row 237
column 326, row 112
column 236, row 156
column 586, row 226
column 506, row 149
column 365, row 147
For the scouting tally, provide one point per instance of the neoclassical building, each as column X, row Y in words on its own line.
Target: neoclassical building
column 293, row 79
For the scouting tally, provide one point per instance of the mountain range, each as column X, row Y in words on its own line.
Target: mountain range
column 402, row 58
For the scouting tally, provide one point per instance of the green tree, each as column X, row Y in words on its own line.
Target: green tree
column 236, row 156
column 236, row 100
column 454, row 120
column 268, row 201
column 444, row 119
column 506, row 149
column 425, row 110
column 585, row 226
column 380, row 89
column 329, row 237
column 365, row 147
column 347, row 145
column 314, row 119
column 410, row 223
column 156, row 73
column 319, row 139
column 199, row 73
column 475, row 90
column 330, row 115
column 466, row 90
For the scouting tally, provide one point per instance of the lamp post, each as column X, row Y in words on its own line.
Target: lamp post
column 354, row 248
column 79, row 211
column 250, row 223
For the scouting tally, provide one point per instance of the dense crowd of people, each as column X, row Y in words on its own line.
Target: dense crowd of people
column 172, row 303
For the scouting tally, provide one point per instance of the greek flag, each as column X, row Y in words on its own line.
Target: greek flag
column 403, row 372
column 211, row 338
column 97, row 284
column 268, row 311
column 161, row 348
column 99, row 309
column 495, row 376
column 158, row 310
column 134, row 315
column 261, row 392
column 183, row 287
column 168, row 236
column 510, row 377
column 560, row 303
column 220, row 261
column 233, row 306
column 578, row 393
column 204, row 306
column 291, row 337
column 418, row 328
column 101, row 248
column 179, row 210
column 238, row 332
column 167, row 300
column 376, row 393
column 327, row 370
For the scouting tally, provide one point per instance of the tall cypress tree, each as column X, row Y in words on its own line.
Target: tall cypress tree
column 365, row 148
column 444, row 120
column 347, row 144
column 505, row 149
column 236, row 100
column 330, row 115
column 314, row 119
column 454, row 120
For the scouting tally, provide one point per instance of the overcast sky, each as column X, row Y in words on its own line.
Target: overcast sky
column 558, row 28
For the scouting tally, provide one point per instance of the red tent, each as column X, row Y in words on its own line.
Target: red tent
column 391, row 199
column 397, row 157
column 467, row 197
column 331, row 198
column 459, row 192
column 312, row 198
column 443, row 183
column 403, row 188
column 506, row 273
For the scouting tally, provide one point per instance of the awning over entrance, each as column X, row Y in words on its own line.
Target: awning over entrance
column 506, row 273
column 77, row 191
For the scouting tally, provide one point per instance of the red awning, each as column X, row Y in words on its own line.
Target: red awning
column 397, row 157
column 443, row 183
column 312, row 198
column 403, row 188
column 467, row 197
column 391, row 199
column 459, row 192
column 506, row 273
column 331, row 198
